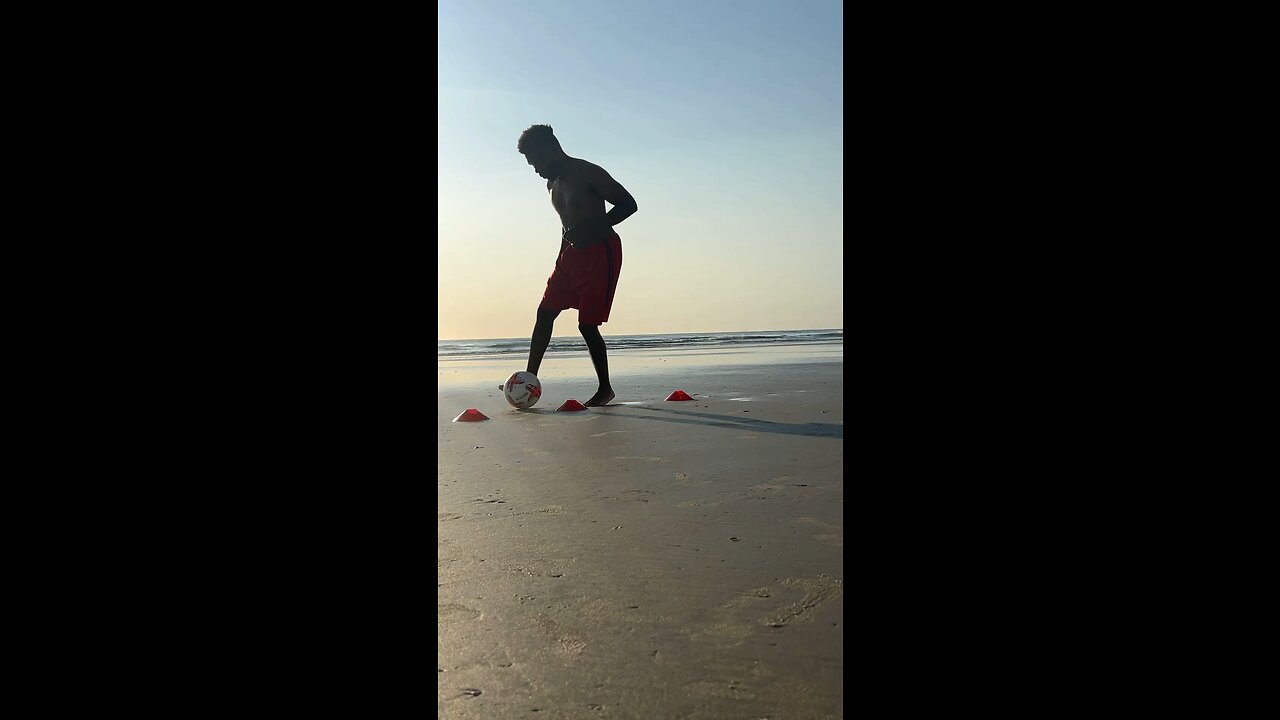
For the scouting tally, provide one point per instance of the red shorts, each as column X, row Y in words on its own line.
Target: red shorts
column 585, row 279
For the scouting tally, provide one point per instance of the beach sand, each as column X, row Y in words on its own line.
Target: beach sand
column 649, row 559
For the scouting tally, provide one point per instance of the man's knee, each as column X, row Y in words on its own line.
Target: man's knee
column 545, row 319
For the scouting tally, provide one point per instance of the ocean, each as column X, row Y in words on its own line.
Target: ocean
column 673, row 341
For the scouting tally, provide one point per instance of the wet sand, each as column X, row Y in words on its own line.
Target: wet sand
column 649, row 559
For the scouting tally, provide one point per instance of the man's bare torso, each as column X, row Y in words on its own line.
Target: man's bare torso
column 573, row 198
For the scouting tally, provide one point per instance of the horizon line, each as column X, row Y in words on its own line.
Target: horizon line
column 687, row 332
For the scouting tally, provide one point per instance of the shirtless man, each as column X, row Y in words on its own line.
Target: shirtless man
column 586, row 270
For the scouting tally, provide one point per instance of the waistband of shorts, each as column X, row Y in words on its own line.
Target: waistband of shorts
column 580, row 246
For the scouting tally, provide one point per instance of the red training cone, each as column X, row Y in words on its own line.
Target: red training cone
column 571, row 405
column 471, row 415
column 679, row 395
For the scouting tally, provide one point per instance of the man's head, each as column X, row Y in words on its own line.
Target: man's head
column 542, row 150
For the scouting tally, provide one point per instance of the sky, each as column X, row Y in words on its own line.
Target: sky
column 725, row 121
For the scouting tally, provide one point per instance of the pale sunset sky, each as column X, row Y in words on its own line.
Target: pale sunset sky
column 725, row 121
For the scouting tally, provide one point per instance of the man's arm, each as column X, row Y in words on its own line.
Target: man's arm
column 563, row 243
column 624, row 206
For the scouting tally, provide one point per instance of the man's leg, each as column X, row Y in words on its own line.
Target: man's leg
column 599, row 358
column 541, row 337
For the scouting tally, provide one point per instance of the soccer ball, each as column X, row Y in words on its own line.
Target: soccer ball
column 522, row 390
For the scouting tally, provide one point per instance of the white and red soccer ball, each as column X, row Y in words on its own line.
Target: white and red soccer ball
column 522, row 390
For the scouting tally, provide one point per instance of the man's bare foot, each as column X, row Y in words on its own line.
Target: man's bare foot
column 601, row 398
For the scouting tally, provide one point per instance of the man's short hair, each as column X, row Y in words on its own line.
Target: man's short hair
column 537, row 136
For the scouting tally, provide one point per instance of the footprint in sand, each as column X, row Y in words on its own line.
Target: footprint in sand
column 817, row 592
column 743, row 615
column 570, row 642
column 447, row 612
column 833, row 535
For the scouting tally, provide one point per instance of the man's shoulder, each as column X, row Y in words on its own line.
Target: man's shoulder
column 586, row 168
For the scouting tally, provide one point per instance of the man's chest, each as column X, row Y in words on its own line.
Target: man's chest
column 568, row 196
